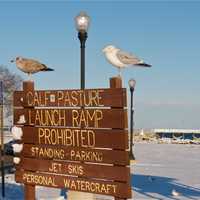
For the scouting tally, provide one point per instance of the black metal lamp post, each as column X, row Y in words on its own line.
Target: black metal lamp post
column 132, row 84
column 82, row 25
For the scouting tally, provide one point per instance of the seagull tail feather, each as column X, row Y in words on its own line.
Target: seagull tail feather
column 47, row 69
column 144, row 65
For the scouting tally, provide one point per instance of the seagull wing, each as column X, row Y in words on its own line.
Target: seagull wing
column 38, row 65
column 127, row 58
column 35, row 65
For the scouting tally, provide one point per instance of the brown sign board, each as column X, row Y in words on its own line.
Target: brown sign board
column 117, row 189
column 108, row 172
column 89, row 118
column 76, row 154
column 71, row 98
column 72, row 137
column 75, row 139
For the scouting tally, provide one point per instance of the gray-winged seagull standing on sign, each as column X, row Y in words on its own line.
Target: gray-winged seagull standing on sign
column 30, row 66
column 121, row 59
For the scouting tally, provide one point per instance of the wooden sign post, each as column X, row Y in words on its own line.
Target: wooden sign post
column 74, row 139
column 29, row 190
column 116, row 82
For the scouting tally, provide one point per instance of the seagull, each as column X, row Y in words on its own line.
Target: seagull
column 30, row 66
column 121, row 59
column 175, row 193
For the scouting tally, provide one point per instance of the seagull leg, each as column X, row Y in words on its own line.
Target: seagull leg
column 119, row 72
column 29, row 75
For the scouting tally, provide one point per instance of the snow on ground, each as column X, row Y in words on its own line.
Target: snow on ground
column 162, row 172
column 163, row 168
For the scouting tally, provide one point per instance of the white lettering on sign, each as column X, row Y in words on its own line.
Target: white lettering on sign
column 72, row 98
column 66, row 137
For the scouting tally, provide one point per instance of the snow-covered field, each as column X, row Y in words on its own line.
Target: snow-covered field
column 162, row 172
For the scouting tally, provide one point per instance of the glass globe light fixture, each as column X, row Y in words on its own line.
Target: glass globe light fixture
column 82, row 22
column 132, row 83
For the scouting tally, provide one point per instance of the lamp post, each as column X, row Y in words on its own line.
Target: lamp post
column 132, row 84
column 82, row 24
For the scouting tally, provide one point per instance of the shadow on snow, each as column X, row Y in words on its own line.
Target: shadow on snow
column 157, row 187
column 13, row 190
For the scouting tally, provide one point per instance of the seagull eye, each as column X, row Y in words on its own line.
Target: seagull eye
column 19, row 58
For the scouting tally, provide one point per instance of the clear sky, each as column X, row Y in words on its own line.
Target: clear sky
column 165, row 34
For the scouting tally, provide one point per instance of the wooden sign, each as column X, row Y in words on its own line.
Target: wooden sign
column 117, row 189
column 72, row 98
column 76, row 154
column 108, row 172
column 75, row 139
column 72, row 137
column 90, row 118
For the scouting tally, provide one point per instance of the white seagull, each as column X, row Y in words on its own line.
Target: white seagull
column 30, row 66
column 121, row 59
column 175, row 193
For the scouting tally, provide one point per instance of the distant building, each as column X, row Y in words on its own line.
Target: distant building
column 177, row 133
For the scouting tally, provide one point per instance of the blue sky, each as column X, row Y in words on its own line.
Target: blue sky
column 165, row 34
